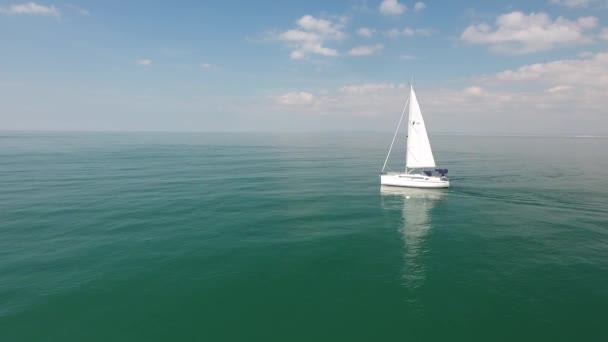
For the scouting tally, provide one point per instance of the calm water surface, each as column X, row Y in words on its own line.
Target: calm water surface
column 289, row 237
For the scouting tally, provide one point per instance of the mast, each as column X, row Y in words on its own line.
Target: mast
column 409, row 126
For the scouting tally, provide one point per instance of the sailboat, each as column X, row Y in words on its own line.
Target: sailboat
column 419, row 160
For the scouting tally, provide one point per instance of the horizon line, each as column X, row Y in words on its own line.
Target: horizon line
column 488, row 134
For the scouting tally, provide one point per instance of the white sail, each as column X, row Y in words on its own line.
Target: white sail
column 419, row 153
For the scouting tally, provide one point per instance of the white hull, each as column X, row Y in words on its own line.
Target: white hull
column 413, row 181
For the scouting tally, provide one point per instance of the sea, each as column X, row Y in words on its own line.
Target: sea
column 289, row 237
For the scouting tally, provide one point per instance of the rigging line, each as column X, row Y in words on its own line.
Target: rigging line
column 395, row 136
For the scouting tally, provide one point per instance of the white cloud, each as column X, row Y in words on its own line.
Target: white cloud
column 416, row 32
column 572, row 3
column 321, row 26
column 31, row 8
column 206, row 66
column 563, row 96
column 392, row 7
column 144, row 62
column 297, row 54
column 604, row 34
column 408, row 32
column 587, row 22
column 365, row 32
column 79, row 10
column 589, row 71
column 298, row 36
column 473, row 91
column 296, row 98
column 558, row 89
column 312, row 48
column 393, row 33
column 520, row 33
column 407, row 57
column 367, row 88
column 310, row 35
column 419, row 6
column 366, row 50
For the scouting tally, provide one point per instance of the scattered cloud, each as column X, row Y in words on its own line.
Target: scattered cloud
column 31, row 8
column 419, row 6
column 408, row 32
column 315, row 48
column 144, row 62
column 473, row 91
column 588, row 71
column 367, row 88
column 604, row 34
column 79, row 10
column 392, row 7
column 407, row 57
column 366, row 50
column 560, row 96
column 296, row 98
column 572, row 3
column 393, row 33
column 360, row 6
column 365, row 32
column 520, row 33
column 321, row 26
column 310, row 35
column 558, row 89
column 206, row 66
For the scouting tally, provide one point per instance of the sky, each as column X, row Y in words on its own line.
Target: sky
column 478, row 67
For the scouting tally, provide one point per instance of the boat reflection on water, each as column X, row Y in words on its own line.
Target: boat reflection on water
column 416, row 205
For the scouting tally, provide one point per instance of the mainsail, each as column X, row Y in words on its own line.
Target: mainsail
column 419, row 153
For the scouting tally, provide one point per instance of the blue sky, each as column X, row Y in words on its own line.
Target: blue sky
column 520, row 67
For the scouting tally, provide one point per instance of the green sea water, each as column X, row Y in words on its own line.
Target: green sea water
column 289, row 237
